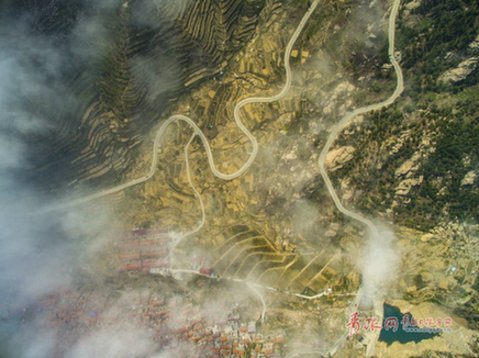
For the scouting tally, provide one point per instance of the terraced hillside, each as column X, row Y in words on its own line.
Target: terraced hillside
column 246, row 254
column 125, row 62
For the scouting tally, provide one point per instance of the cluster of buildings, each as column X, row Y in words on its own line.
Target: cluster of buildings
column 144, row 250
column 173, row 323
column 231, row 338
column 71, row 308
column 150, row 251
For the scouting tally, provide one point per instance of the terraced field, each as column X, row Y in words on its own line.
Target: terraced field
column 246, row 254
column 152, row 52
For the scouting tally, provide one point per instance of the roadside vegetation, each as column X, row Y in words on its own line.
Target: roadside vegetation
column 437, row 123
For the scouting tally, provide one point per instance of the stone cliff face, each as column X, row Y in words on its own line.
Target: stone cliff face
column 144, row 55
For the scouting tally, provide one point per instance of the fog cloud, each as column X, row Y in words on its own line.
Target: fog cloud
column 379, row 264
column 39, row 254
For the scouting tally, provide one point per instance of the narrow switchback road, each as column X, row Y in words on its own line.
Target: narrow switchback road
column 349, row 116
column 182, row 118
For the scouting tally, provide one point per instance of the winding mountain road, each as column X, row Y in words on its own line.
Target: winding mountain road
column 197, row 194
column 254, row 150
column 349, row 116
column 377, row 304
column 182, row 118
column 224, row 176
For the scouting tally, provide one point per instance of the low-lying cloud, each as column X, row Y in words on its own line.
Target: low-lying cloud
column 379, row 264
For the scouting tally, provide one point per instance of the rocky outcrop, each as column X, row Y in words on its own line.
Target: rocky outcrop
column 460, row 72
column 406, row 185
column 469, row 179
column 405, row 169
column 338, row 157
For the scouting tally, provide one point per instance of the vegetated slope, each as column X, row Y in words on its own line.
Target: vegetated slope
column 122, row 62
column 418, row 161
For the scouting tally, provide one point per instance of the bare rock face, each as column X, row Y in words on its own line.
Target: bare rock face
column 338, row 157
column 404, row 169
column 426, row 237
column 406, row 185
column 460, row 72
column 469, row 179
